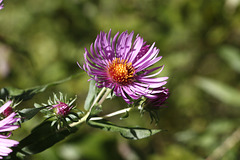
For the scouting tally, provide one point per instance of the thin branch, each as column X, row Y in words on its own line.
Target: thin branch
column 229, row 143
column 112, row 114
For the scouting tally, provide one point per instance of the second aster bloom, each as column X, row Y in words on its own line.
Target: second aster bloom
column 6, row 126
column 1, row 4
column 121, row 63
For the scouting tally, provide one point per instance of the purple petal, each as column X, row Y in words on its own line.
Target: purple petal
column 7, row 104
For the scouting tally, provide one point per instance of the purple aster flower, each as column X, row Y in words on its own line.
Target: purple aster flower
column 122, row 65
column 1, row 4
column 6, row 126
column 62, row 109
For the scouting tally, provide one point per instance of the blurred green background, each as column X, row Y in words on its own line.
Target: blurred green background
column 41, row 41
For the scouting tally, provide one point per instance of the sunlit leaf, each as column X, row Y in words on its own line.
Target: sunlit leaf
column 134, row 133
column 221, row 91
column 91, row 95
column 232, row 56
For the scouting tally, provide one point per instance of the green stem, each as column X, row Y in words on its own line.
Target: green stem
column 114, row 113
column 98, row 97
column 83, row 119
column 111, row 114
column 108, row 91
column 104, row 92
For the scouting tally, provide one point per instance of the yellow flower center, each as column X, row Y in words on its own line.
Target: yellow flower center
column 120, row 71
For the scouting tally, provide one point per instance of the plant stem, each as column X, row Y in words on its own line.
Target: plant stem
column 98, row 97
column 83, row 119
column 105, row 92
column 228, row 144
column 114, row 113
column 105, row 96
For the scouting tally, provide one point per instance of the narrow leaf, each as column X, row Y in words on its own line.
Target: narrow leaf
column 91, row 95
column 232, row 56
column 28, row 113
column 134, row 133
column 222, row 92
column 42, row 137
column 25, row 94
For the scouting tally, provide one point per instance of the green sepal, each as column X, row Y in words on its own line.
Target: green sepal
column 134, row 133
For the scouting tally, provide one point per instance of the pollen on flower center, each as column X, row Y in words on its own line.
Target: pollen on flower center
column 120, row 71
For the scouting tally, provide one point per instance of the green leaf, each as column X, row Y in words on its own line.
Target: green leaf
column 25, row 94
column 41, row 138
column 134, row 133
column 28, row 113
column 222, row 92
column 232, row 56
column 92, row 92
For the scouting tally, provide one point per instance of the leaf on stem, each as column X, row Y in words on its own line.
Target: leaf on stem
column 133, row 133
column 92, row 92
column 42, row 137
column 28, row 113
